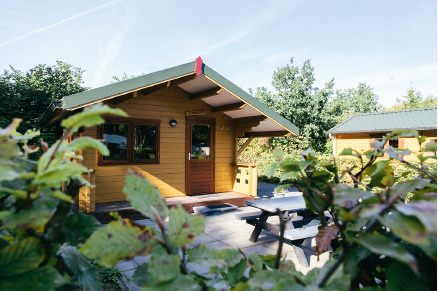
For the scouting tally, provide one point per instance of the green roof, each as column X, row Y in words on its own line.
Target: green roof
column 410, row 119
column 81, row 99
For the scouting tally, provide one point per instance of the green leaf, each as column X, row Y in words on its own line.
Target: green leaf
column 8, row 173
column 231, row 257
column 83, row 271
column 429, row 147
column 163, row 266
column 425, row 211
column 400, row 277
column 141, row 275
column 236, row 272
column 91, row 116
column 20, row 257
column 61, row 196
column 380, row 244
column 271, row 169
column 408, row 228
column 118, row 240
column 79, row 227
column 40, row 279
column 254, row 262
column 348, row 197
column 380, row 173
column 184, row 227
column 84, row 142
column 349, row 152
column 34, row 217
column 56, row 175
column 206, row 256
column 404, row 188
column 278, row 154
column 186, row 283
column 143, row 195
column 272, row 280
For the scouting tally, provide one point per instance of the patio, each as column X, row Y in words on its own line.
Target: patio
column 222, row 231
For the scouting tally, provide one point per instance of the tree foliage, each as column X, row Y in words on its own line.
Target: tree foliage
column 413, row 99
column 312, row 109
column 27, row 95
column 39, row 238
column 382, row 227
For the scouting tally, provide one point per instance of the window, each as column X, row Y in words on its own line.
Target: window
column 393, row 143
column 130, row 141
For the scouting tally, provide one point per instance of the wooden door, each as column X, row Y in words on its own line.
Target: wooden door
column 200, row 148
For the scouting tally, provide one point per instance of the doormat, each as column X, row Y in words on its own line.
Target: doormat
column 207, row 196
column 214, row 208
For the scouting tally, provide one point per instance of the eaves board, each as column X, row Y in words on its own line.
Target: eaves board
column 223, row 82
column 98, row 94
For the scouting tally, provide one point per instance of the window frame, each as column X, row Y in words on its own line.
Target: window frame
column 131, row 122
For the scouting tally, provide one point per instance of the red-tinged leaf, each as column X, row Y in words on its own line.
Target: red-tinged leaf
column 324, row 238
column 44, row 145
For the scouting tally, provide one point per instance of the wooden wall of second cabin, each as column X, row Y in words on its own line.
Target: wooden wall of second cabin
column 169, row 175
column 362, row 142
column 359, row 142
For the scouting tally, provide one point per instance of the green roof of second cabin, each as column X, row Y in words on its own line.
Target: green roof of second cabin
column 197, row 79
column 410, row 119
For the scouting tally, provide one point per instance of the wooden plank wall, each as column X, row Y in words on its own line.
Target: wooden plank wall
column 169, row 175
column 361, row 141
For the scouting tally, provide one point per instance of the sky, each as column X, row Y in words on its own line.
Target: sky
column 391, row 45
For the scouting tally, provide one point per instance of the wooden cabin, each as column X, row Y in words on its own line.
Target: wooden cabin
column 181, row 133
column 360, row 130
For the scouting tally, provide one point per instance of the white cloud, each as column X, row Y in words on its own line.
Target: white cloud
column 112, row 39
column 272, row 12
column 44, row 28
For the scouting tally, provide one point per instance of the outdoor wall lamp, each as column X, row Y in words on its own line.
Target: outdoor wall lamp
column 173, row 123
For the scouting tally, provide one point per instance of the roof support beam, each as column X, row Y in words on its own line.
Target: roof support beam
column 229, row 107
column 207, row 93
column 153, row 88
column 243, row 147
column 266, row 134
column 250, row 119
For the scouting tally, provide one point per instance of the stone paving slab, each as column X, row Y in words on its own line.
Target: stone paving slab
column 224, row 231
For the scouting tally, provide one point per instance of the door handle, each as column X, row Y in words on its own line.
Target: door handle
column 189, row 156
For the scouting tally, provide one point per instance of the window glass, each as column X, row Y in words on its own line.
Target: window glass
column 145, row 144
column 116, row 139
column 200, row 141
column 393, row 143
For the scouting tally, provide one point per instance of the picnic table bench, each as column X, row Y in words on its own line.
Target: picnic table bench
column 296, row 231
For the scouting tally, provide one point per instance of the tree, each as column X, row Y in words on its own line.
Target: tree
column 300, row 102
column 27, row 95
column 352, row 101
column 413, row 99
column 123, row 78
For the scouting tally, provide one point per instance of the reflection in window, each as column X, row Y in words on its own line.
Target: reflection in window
column 116, row 139
column 145, row 142
column 200, row 141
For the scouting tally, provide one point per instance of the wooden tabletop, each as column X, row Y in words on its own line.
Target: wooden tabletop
column 286, row 203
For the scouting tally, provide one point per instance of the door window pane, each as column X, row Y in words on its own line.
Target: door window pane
column 200, row 141
column 145, row 144
column 116, row 139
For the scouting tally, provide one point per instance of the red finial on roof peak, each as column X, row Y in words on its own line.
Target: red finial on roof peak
column 198, row 66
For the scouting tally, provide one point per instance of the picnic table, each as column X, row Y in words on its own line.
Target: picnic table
column 296, row 230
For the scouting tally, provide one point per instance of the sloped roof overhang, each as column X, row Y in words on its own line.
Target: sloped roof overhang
column 201, row 82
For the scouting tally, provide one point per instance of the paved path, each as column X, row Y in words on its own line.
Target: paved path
column 223, row 231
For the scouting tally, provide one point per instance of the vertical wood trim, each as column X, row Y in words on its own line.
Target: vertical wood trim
column 247, row 142
column 401, row 143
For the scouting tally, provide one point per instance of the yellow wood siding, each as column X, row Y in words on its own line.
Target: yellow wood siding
column 169, row 175
column 361, row 142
